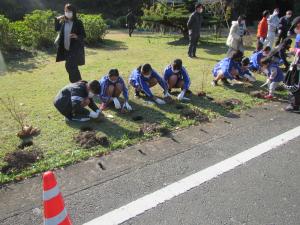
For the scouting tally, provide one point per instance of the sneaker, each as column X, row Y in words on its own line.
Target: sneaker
column 84, row 119
column 188, row 92
column 289, row 108
column 268, row 97
column 214, row 83
column 225, row 81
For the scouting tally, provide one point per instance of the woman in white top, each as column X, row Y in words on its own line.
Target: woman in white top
column 235, row 38
column 273, row 23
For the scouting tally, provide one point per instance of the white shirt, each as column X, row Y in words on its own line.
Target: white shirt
column 67, row 32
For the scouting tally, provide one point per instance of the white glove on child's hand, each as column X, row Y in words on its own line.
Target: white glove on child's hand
column 160, row 101
column 127, row 106
column 95, row 115
column 181, row 95
column 117, row 103
column 250, row 78
column 167, row 95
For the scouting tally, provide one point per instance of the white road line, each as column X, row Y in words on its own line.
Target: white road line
column 150, row 201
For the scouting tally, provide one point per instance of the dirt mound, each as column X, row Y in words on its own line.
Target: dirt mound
column 137, row 118
column 89, row 139
column 194, row 114
column 168, row 100
column 229, row 103
column 20, row 159
column 258, row 94
column 179, row 106
column 201, row 94
column 151, row 128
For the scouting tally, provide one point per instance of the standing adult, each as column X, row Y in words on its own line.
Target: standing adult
column 130, row 22
column 262, row 29
column 284, row 25
column 194, row 26
column 273, row 23
column 235, row 38
column 71, row 42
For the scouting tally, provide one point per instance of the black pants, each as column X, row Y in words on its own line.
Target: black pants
column 194, row 39
column 294, row 99
column 130, row 30
column 72, row 68
column 281, row 37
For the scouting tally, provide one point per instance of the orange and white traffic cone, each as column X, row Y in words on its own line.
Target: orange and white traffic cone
column 55, row 212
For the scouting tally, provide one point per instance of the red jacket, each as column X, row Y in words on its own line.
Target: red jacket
column 262, row 29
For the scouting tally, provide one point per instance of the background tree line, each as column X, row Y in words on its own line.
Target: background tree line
column 16, row 9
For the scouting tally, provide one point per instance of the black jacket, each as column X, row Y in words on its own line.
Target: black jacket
column 76, row 46
column 194, row 22
column 285, row 24
column 68, row 100
column 131, row 19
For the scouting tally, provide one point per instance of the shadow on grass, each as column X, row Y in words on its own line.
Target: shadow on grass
column 23, row 60
column 179, row 42
column 140, row 115
column 110, row 45
column 206, row 103
column 213, row 48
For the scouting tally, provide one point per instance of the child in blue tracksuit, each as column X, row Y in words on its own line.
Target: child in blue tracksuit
column 227, row 68
column 256, row 58
column 112, row 85
column 274, row 74
column 244, row 71
column 176, row 76
column 144, row 78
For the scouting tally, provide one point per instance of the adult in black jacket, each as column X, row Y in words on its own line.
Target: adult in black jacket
column 284, row 26
column 279, row 53
column 71, row 42
column 72, row 100
column 130, row 22
column 194, row 25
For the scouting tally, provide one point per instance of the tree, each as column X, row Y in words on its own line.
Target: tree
column 166, row 15
column 176, row 16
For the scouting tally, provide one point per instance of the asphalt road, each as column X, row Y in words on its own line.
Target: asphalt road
column 263, row 191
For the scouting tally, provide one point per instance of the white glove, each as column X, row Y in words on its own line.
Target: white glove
column 95, row 115
column 181, row 95
column 117, row 103
column 160, row 101
column 261, row 40
column 127, row 106
column 250, row 78
column 167, row 95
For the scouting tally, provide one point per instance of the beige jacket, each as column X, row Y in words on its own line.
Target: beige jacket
column 234, row 39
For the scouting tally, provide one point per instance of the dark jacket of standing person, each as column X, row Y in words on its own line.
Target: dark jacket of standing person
column 76, row 45
column 194, row 23
column 131, row 20
column 284, row 24
column 71, row 44
column 194, row 26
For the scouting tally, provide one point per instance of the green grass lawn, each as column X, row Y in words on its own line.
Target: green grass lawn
column 34, row 82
